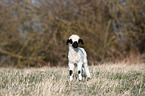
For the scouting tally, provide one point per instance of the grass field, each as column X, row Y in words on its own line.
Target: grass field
column 107, row 79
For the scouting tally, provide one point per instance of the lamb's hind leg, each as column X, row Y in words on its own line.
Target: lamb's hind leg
column 79, row 67
column 86, row 68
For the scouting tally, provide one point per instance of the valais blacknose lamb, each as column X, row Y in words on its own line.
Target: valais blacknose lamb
column 77, row 55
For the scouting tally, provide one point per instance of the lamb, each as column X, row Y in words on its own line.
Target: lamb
column 77, row 55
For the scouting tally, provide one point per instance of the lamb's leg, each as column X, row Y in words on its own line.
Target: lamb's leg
column 86, row 68
column 79, row 66
column 71, row 67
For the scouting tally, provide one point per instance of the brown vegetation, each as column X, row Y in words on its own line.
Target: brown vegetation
column 35, row 33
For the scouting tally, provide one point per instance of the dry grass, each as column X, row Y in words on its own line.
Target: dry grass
column 107, row 79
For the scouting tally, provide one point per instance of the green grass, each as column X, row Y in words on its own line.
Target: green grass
column 107, row 79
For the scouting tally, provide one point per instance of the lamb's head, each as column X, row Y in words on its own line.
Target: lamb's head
column 74, row 40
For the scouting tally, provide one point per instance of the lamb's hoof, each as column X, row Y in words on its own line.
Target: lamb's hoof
column 88, row 78
column 80, row 79
column 71, row 79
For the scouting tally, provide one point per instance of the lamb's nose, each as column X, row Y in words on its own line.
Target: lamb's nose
column 75, row 44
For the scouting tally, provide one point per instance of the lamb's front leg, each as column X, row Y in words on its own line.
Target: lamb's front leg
column 79, row 67
column 71, row 67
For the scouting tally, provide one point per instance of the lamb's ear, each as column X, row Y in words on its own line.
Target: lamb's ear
column 69, row 41
column 81, row 41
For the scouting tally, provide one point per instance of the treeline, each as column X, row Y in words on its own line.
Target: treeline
column 33, row 33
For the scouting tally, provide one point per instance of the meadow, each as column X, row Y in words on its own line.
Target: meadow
column 107, row 79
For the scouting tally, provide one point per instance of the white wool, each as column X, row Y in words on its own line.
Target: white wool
column 74, row 37
column 76, row 55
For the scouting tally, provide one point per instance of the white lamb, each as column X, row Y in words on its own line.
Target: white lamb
column 77, row 55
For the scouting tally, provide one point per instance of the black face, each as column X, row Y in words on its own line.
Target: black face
column 75, row 44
